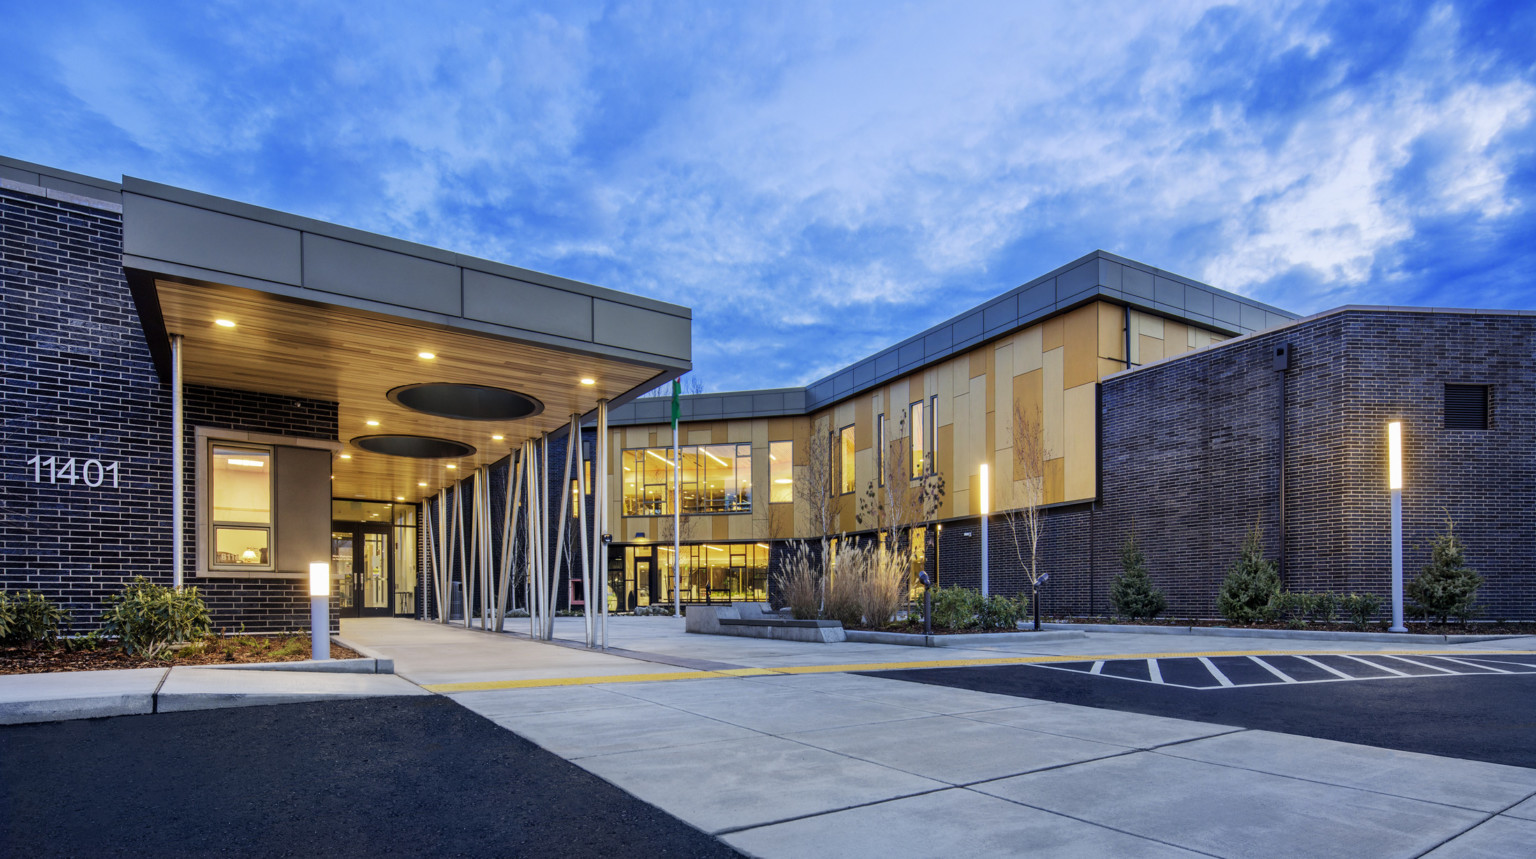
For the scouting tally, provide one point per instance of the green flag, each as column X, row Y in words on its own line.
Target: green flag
column 677, row 404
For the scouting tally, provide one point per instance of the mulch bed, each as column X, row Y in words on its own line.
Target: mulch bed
column 213, row 651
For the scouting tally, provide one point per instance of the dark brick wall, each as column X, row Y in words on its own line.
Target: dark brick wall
column 1191, row 461
column 255, row 605
column 79, row 383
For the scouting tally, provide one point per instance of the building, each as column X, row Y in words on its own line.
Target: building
column 1167, row 408
column 325, row 380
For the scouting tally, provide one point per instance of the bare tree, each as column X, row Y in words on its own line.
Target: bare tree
column 1024, row 520
column 816, row 490
column 894, row 502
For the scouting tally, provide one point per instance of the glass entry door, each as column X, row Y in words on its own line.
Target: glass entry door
column 364, row 570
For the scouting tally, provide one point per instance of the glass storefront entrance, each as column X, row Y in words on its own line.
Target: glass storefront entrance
column 711, row 573
column 374, row 558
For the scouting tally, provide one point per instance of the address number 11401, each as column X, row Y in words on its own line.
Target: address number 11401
column 56, row 469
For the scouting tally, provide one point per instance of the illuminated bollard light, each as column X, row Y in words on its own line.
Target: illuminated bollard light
column 320, row 610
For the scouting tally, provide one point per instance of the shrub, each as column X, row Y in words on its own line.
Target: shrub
column 1251, row 585
column 1132, row 592
column 30, row 618
column 798, row 583
column 1289, row 606
column 147, row 618
column 1000, row 612
column 1360, row 608
column 955, row 607
column 1446, row 586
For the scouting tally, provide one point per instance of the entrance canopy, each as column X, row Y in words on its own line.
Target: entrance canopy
column 439, row 363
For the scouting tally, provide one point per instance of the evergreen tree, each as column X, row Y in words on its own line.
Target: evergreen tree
column 1446, row 586
column 1251, row 585
column 1132, row 592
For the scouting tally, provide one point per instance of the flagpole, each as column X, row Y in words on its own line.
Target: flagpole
column 677, row 505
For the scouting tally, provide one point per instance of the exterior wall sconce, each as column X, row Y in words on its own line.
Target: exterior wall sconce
column 986, row 508
column 320, row 610
column 1395, row 484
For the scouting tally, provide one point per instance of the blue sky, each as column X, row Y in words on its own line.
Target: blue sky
column 820, row 180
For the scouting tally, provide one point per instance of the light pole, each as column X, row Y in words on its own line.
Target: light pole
column 985, row 509
column 320, row 610
column 1395, row 484
column 938, row 537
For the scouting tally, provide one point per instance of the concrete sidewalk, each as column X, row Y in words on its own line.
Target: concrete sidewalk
column 778, row 751
column 92, row 694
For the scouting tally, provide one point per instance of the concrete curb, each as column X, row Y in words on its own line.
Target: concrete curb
column 915, row 640
column 385, row 664
column 1284, row 634
column 361, row 665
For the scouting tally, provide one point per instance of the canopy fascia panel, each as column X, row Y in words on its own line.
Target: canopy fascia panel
column 330, row 313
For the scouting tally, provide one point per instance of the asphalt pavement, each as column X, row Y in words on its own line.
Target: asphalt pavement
column 1479, row 717
column 402, row 776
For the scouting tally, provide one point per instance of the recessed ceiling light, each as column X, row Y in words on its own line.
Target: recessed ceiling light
column 497, row 437
column 427, row 355
column 422, row 483
column 589, row 381
column 399, row 497
column 451, row 465
column 373, row 423
column 346, row 456
column 224, row 323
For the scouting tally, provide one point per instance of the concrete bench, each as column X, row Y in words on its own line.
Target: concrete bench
column 757, row 620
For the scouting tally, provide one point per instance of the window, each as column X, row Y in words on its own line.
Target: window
column 880, row 448
column 932, row 453
column 716, row 478
column 919, row 436
column 1466, row 407
column 845, row 449
column 240, row 487
column 781, row 472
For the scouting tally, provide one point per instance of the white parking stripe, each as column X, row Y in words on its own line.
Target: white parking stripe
column 1423, row 664
column 1155, row 672
column 1382, row 667
column 1475, row 665
column 1215, row 672
column 1098, row 667
column 1328, row 668
column 1272, row 669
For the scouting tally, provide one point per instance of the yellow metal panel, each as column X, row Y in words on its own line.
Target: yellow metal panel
column 1080, row 447
column 863, row 423
column 1111, row 330
column 844, row 413
column 1082, row 346
column 1148, row 324
column 946, row 386
column 1000, row 397
column 1175, row 338
column 698, row 436
column 719, row 527
column 947, row 466
column 1052, row 331
column 759, row 435
column 1151, row 348
column 1050, row 403
column 1107, row 366
column 1054, row 491
column 783, row 429
column 1028, row 353
column 781, row 521
column 636, row 436
column 742, row 528
column 1027, row 391
column 900, row 395
column 738, row 431
column 720, row 432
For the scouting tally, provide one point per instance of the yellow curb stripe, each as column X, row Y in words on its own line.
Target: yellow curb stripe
column 922, row 664
column 487, row 685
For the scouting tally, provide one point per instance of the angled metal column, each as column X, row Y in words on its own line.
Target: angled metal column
column 600, row 517
column 458, row 543
column 586, row 546
column 504, row 591
column 572, row 448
